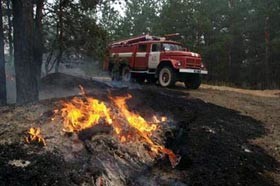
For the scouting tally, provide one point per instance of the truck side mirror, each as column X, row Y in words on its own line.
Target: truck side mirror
column 186, row 49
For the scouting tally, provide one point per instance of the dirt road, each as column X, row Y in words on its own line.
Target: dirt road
column 261, row 106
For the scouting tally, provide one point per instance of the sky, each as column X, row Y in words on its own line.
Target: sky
column 118, row 6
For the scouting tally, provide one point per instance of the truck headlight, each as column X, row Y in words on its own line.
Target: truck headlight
column 179, row 63
column 202, row 65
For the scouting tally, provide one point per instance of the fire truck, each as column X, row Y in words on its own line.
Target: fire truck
column 156, row 59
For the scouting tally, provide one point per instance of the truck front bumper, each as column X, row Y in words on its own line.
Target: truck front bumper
column 193, row 71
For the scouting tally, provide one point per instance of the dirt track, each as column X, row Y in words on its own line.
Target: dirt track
column 261, row 106
column 231, row 138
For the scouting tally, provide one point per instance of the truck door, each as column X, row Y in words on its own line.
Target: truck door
column 154, row 56
column 141, row 57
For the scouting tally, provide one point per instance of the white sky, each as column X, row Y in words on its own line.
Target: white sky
column 119, row 7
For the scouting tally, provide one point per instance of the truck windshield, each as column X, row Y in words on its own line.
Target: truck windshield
column 171, row 47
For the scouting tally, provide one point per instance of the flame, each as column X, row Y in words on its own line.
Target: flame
column 143, row 128
column 135, row 120
column 35, row 136
column 157, row 120
column 84, row 112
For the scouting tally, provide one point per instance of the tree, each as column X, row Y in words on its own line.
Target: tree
column 38, row 41
column 179, row 17
column 141, row 16
column 60, row 32
column 239, row 40
column 72, row 32
column 10, row 38
column 3, row 94
column 27, row 46
column 109, row 18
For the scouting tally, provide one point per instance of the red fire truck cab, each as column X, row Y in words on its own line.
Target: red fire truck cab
column 155, row 58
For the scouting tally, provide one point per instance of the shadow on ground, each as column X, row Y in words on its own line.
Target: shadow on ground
column 217, row 144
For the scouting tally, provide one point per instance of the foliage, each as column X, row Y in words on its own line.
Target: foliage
column 239, row 40
column 81, row 34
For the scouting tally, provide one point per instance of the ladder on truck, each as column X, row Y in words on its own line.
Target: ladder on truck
column 136, row 40
column 146, row 37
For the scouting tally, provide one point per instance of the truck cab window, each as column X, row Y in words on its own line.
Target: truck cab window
column 156, row 47
column 172, row 47
column 142, row 48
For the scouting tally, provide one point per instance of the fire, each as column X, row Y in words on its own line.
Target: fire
column 157, row 120
column 135, row 120
column 143, row 128
column 84, row 112
column 35, row 136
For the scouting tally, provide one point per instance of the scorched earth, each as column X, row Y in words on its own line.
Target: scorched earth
column 144, row 136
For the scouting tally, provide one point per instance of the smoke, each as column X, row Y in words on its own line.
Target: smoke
column 10, row 84
column 66, row 83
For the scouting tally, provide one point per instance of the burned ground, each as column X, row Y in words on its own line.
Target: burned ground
column 45, row 168
column 215, row 144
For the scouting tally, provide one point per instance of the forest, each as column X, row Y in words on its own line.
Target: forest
column 239, row 40
column 81, row 103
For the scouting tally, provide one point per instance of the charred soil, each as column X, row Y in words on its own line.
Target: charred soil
column 218, row 144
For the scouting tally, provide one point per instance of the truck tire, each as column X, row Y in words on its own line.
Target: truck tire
column 167, row 77
column 193, row 81
column 126, row 74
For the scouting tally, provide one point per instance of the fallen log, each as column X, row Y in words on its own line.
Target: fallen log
column 87, row 134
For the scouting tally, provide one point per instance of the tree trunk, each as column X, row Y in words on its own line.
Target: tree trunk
column 266, row 61
column 3, row 94
column 10, row 38
column 231, row 4
column 60, row 35
column 26, row 83
column 38, row 42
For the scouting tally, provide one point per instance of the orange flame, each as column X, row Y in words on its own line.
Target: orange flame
column 135, row 120
column 143, row 128
column 84, row 112
column 35, row 136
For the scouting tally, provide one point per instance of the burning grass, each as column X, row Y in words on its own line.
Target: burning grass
column 142, row 129
column 34, row 136
column 102, row 155
column 84, row 112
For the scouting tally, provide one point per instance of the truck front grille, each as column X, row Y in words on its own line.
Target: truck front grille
column 193, row 63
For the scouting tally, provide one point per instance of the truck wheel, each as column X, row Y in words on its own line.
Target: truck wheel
column 167, row 77
column 126, row 74
column 193, row 81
